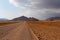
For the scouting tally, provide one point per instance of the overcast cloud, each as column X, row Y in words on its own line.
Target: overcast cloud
column 39, row 8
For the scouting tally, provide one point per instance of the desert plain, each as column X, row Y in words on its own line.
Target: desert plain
column 30, row 30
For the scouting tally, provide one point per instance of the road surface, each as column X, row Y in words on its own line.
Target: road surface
column 19, row 31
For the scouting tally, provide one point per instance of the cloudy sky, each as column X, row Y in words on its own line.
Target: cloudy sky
column 40, row 9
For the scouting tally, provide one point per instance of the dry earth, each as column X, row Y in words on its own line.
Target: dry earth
column 44, row 30
column 16, row 31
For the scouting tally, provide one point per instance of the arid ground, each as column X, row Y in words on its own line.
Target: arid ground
column 16, row 31
column 46, row 30
column 30, row 30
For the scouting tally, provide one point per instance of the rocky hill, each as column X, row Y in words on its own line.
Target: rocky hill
column 23, row 18
column 53, row 18
column 3, row 19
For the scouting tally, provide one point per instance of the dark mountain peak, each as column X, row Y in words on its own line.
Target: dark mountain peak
column 54, row 18
column 24, row 18
column 34, row 19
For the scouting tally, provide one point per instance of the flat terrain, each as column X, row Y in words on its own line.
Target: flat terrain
column 46, row 30
column 16, row 31
column 30, row 30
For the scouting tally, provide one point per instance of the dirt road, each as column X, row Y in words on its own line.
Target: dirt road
column 18, row 31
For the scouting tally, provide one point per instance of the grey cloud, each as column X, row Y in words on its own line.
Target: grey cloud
column 41, row 15
column 52, row 3
column 38, row 3
column 41, row 9
column 46, row 3
column 20, row 3
column 46, row 15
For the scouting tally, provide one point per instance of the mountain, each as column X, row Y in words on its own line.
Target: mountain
column 53, row 18
column 33, row 19
column 23, row 18
column 3, row 19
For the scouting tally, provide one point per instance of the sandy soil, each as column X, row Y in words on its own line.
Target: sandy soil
column 39, row 30
column 16, row 31
column 46, row 30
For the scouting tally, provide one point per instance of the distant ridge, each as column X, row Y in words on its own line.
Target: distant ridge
column 33, row 19
column 53, row 18
column 23, row 18
column 3, row 19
